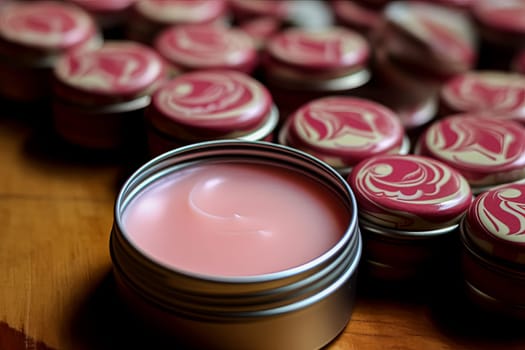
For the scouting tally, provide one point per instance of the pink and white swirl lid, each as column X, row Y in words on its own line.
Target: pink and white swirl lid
column 181, row 11
column 344, row 130
column 208, row 46
column 260, row 8
column 496, row 222
column 325, row 49
column 117, row 69
column 502, row 15
column 409, row 192
column 210, row 103
column 500, row 94
column 444, row 34
column 46, row 25
column 487, row 151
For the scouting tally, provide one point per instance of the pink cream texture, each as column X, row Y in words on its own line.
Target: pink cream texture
column 235, row 219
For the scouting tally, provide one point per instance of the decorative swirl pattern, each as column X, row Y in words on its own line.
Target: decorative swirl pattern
column 409, row 192
column 205, row 46
column 116, row 68
column 502, row 213
column 181, row 11
column 217, row 99
column 477, row 146
column 324, row 49
column 45, row 24
column 350, row 128
column 492, row 92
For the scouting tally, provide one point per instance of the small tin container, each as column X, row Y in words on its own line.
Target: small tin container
column 149, row 17
column 303, row 307
column 100, row 95
column 493, row 253
column 342, row 131
column 207, row 46
column 501, row 94
column 432, row 42
column 501, row 29
column 208, row 105
column 409, row 212
column 32, row 37
column 488, row 151
column 301, row 65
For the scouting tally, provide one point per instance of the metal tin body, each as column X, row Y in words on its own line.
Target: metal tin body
column 301, row 65
column 149, row 17
column 493, row 255
column 192, row 47
column 499, row 94
column 100, row 95
column 488, row 151
column 409, row 210
column 342, row 131
column 30, row 45
column 301, row 308
column 209, row 105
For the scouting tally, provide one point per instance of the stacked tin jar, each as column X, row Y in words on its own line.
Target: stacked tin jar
column 399, row 107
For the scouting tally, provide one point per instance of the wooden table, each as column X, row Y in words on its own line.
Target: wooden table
column 56, row 287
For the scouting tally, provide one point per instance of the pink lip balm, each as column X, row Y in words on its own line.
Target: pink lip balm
column 234, row 219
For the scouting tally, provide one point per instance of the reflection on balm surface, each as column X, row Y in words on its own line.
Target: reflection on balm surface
column 233, row 219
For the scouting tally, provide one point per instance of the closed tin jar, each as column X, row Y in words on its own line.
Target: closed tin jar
column 431, row 41
column 192, row 47
column 209, row 105
column 409, row 212
column 301, row 65
column 30, row 45
column 149, row 17
column 302, row 307
column 488, row 151
column 99, row 96
column 498, row 93
column 493, row 254
column 342, row 131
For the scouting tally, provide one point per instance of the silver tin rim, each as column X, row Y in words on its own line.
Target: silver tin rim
column 224, row 297
column 351, row 81
column 397, row 234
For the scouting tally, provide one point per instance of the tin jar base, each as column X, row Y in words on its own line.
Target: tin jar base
column 106, row 127
column 492, row 286
column 394, row 255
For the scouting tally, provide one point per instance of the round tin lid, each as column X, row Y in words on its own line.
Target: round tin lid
column 181, row 11
column 487, row 151
column 208, row 46
column 323, row 50
column 210, row 103
column 119, row 70
column 342, row 131
column 433, row 34
column 495, row 222
column 409, row 192
column 498, row 93
column 501, row 15
column 45, row 25
column 104, row 5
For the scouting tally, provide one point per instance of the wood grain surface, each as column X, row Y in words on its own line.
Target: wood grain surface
column 56, row 287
